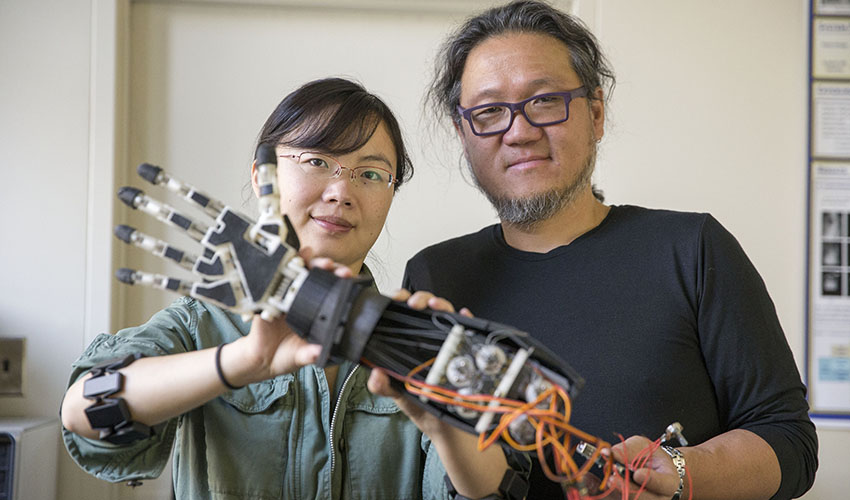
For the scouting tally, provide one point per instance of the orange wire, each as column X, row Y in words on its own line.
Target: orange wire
column 552, row 428
column 503, row 425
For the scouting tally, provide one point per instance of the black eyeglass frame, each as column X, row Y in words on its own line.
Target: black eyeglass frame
column 568, row 96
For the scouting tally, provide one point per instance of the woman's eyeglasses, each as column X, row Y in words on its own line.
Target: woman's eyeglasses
column 322, row 166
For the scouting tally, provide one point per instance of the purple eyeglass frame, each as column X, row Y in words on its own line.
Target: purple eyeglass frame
column 568, row 96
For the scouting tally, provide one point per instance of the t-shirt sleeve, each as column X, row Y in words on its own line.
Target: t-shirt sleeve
column 749, row 361
column 167, row 332
column 407, row 281
column 417, row 272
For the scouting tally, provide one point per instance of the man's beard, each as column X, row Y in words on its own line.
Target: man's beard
column 526, row 212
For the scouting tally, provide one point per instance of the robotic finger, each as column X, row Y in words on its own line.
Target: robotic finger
column 158, row 177
column 137, row 199
column 223, row 293
column 162, row 282
column 155, row 246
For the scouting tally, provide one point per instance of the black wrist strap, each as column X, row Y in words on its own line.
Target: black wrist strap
column 512, row 487
column 110, row 415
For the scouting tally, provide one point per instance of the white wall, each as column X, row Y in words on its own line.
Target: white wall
column 44, row 97
column 709, row 115
column 44, row 186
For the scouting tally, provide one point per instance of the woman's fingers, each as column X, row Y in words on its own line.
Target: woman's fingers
column 440, row 304
column 307, row 354
column 400, row 295
column 276, row 349
column 330, row 265
column 325, row 263
column 379, row 384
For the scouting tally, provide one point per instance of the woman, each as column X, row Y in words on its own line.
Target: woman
column 291, row 429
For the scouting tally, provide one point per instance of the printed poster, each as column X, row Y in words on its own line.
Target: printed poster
column 831, row 48
column 831, row 120
column 829, row 338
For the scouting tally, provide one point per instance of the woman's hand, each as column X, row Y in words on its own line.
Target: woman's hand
column 271, row 348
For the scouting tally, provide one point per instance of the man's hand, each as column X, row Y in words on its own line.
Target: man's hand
column 656, row 474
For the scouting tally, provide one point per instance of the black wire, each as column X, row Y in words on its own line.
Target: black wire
column 403, row 355
column 405, row 341
column 414, row 362
column 496, row 335
column 383, row 360
column 438, row 316
column 394, row 358
column 405, row 319
column 413, row 332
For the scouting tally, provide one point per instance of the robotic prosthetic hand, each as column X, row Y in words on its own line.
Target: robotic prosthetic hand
column 483, row 377
column 246, row 266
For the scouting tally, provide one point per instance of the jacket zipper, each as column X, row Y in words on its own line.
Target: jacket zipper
column 333, row 418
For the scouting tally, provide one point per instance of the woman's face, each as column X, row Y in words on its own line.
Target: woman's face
column 335, row 217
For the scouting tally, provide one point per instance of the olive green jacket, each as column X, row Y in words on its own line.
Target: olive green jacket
column 280, row 438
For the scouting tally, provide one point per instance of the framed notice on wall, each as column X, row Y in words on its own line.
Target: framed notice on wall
column 834, row 7
column 828, row 311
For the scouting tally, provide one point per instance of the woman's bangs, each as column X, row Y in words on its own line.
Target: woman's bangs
column 336, row 130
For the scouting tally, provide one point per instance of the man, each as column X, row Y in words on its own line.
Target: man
column 661, row 312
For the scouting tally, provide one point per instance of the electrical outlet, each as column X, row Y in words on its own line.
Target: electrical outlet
column 11, row 367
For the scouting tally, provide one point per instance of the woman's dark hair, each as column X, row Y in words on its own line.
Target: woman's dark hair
column 334, row 116
column 524, row 16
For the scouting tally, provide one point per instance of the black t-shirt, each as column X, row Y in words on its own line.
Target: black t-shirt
column 663, row 315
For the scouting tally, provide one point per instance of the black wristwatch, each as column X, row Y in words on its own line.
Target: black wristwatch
column 107, row 414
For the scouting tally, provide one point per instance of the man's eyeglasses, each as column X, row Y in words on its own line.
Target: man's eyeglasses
column 540, row 110
column 322, row 166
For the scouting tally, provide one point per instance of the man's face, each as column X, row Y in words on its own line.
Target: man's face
column 528, row 162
